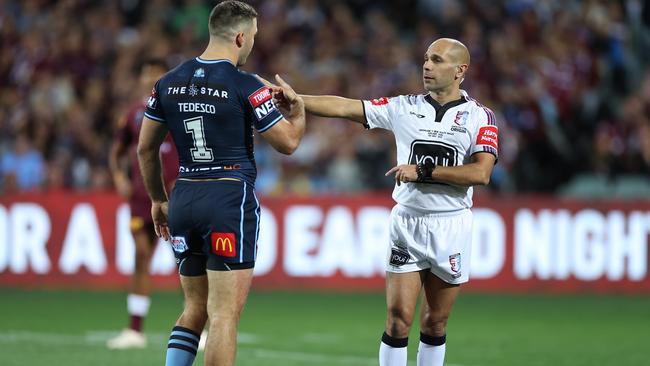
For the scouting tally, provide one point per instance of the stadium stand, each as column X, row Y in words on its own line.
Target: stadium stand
column 572, row 104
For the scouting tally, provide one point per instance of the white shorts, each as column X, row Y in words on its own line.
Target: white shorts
column 440, row 242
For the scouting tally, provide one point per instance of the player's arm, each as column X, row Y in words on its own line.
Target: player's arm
column 475, row 173
column 117, row 153
column 335, row 107
column 152, row 134
column 285, row 135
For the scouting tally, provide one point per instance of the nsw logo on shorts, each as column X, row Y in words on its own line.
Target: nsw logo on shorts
column 454, row 261
column 223, row 244
column 178, row 244
column 398, row 257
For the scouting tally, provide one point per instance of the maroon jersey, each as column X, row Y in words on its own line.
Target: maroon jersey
column 128, row 135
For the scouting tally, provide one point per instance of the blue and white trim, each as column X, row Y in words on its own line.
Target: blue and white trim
column 257, row 229
column 241, row 226
column 271, row 124
column 157, row 119
column 198, row 59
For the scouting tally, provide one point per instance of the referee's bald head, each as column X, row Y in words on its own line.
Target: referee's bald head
column 454, row 48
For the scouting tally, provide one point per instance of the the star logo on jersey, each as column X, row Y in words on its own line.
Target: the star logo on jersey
column 193, row 90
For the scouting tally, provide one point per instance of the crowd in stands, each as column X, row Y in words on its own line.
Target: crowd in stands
column 568, row 80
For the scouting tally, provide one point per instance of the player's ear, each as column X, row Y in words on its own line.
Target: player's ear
column 239, row 39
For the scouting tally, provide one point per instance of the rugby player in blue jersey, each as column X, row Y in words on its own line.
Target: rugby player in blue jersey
column 211, row 108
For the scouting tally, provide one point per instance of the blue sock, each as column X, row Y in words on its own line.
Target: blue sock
column 182, row 346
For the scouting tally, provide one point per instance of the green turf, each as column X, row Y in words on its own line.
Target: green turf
column 285, row 329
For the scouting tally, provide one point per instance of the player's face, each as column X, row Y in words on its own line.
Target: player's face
column 249, row 41
column 439, row 72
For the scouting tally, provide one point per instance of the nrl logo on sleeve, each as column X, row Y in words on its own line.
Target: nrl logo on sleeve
column 261, row 102
column 178, row 244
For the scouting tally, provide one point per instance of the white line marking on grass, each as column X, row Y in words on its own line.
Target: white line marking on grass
column 99, row 338
column 95, row 337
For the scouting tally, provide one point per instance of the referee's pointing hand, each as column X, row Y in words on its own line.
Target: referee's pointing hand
column 404, row 173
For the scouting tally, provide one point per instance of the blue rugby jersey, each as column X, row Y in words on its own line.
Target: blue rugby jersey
column 211, row 108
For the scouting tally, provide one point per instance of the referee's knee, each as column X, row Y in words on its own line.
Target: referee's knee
column 434, row 324
column 398, row 322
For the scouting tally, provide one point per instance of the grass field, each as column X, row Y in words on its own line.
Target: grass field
column 302, row 329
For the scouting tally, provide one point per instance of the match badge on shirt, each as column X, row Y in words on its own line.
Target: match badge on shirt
column 223, row 244
column 461, row 118
column 261, row 102
column 488, row 135
column 379, row 101
column 199, row 73
column 454, row 261
column 179, row 244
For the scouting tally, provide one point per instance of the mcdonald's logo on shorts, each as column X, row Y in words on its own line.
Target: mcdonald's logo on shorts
column 223, row 244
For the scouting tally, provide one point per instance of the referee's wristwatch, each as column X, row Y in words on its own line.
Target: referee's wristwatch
column 424, row 171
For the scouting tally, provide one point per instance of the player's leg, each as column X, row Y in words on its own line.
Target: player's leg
column 402, row 291
column 439, row 298
column 226, row 299
column 184, row 339
column 138, row 300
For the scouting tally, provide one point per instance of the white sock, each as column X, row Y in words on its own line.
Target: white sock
column 138, row 305
column 395, row 355
column 431, row 353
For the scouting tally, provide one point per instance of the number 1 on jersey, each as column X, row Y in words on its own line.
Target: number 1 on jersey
column 200, row 153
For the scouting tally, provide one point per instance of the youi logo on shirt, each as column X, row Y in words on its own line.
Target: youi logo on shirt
column 436, row 152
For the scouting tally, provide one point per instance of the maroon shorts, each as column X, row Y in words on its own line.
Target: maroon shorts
column 140, row 213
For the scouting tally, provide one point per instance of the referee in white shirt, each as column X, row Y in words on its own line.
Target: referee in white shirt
column 446, row 143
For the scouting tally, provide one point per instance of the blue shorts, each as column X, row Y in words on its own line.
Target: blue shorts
column 214, row 225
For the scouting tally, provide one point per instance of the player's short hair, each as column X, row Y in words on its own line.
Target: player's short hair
column 227, row 17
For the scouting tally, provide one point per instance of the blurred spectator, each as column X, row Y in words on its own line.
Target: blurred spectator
column 22, row 168
column 568, row 80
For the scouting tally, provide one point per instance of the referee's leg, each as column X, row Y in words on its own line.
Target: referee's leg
column 402, row 291
column 227, row 295
column 439, row 298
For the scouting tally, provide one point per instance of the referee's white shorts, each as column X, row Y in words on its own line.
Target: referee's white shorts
column 439, row 242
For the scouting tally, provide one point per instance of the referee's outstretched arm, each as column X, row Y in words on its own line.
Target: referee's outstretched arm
column 335, row 107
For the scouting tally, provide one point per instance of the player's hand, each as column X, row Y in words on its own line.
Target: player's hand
column 289, row 102
column 123, row 185
column 159, row 214
column 404, row 173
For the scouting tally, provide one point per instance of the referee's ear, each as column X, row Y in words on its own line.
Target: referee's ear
column 460, row 71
